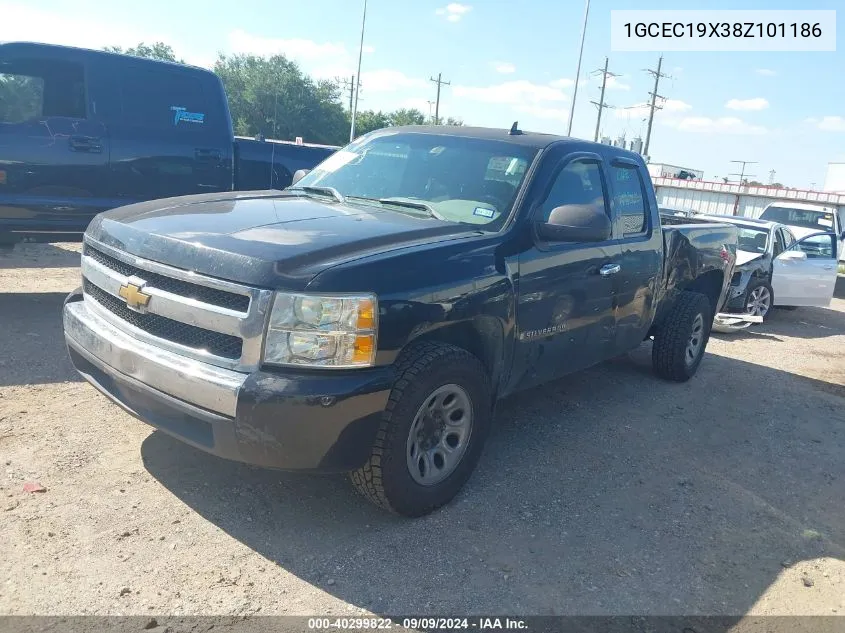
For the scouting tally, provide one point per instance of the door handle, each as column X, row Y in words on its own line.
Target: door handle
column 89, row 144
column 609, row 269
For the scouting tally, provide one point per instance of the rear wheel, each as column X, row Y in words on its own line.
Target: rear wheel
column 680, row 343
column 759, row 299
column 432, row 431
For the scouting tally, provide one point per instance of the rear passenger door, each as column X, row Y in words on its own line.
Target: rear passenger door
column 640, row 257
column 54, row 151
column 168, row 139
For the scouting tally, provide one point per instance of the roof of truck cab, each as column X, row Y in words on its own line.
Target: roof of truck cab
column 741, row 221
column 76, row 51
column 537, row 140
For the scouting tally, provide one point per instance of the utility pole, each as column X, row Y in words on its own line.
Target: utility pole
column 654, row 97
column 772, row 177
column 349, row 85
column 439, row 81
column 742, row 175
column 358, row 85
column 601, row 105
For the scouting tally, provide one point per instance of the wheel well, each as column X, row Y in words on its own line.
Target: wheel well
column 709, row 284
column 481, row 338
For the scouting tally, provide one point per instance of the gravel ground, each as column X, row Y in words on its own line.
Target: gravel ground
column 609, row 492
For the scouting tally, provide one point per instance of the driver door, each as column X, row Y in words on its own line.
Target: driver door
column 805, row 274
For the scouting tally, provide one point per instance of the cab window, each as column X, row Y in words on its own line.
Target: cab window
column 628, row 199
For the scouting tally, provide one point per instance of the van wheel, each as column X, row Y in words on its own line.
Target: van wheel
column 680, row 343
column 432, row 431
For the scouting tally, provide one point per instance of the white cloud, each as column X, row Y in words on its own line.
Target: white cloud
column 453, row 11
column 23, row 22
column 369, row 49
column 614, row 83
column 720, row 125
column 832, row 124
column 758, row 103
column 640, row 110
column 520, row 92
column 765, row 72
column 387, row 80
column 299, row 49
column 504, row 67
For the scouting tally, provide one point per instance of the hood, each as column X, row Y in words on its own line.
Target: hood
column 743, row 257
column 266, row 239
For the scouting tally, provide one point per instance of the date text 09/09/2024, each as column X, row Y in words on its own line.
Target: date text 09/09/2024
column 419, row 623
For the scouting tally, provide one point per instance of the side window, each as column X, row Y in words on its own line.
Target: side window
column 818, row 247
column 32, row 89
column 788, row 237
column 779, row 246
column 579, row 183
column 628, row 199
column 162, row 99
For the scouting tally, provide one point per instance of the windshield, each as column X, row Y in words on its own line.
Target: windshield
column 752, row 240
column 819, row 220
column 453, row 178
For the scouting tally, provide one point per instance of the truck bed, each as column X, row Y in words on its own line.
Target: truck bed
column 695, row 255
column 270, row 164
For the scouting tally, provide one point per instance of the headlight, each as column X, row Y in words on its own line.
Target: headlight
column 313, row 331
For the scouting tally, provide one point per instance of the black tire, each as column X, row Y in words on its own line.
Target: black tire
column 385, row 479
column 752, row 286
column 669, row 352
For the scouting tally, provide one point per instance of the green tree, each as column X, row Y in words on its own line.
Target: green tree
column 20, row 97
column 369, row 120
column 271, row 96
column 453, row 121
column 159, row 50
column 406, row 116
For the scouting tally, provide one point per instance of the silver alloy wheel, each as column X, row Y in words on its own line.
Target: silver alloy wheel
column 759, row 302
column 695, row 341
column 439, row 435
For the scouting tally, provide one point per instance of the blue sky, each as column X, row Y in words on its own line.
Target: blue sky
column 784, row 110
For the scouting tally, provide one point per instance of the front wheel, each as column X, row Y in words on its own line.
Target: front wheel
column 759, row 299
column 432, row 431
column 680, row 342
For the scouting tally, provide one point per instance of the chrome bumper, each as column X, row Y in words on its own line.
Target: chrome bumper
column 116, row 352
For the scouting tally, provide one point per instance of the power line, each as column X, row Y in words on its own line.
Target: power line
column 654, row 97
column 742, row 175
column 601, row 105
column 439, row 81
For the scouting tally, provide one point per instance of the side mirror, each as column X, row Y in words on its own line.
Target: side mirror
column 298, row 175
column 842, row 236
column 576, row 223
column 793, row 255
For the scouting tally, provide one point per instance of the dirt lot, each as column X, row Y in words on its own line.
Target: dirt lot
column 609, row 492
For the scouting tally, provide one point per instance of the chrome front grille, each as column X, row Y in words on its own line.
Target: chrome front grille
column 205, row 318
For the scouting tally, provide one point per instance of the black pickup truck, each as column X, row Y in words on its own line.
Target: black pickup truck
column 368, row 318
column 83, row 131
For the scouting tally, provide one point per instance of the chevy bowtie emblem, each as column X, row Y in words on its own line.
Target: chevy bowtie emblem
column 133, row 295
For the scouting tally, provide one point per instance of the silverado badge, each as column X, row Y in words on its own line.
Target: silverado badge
column 132, row 293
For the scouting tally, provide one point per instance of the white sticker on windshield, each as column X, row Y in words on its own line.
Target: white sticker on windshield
column 337, row 160
column 486, row 213
column 823, row 222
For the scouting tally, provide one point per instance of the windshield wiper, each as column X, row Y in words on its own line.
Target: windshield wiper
column 422, row 206
column 323, row 191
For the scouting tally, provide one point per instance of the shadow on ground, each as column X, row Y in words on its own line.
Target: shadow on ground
column 807, row 323
column 608, row 492
column 38, row 256
column 32, row 347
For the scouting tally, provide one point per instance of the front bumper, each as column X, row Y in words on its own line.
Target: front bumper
column 312, row 421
